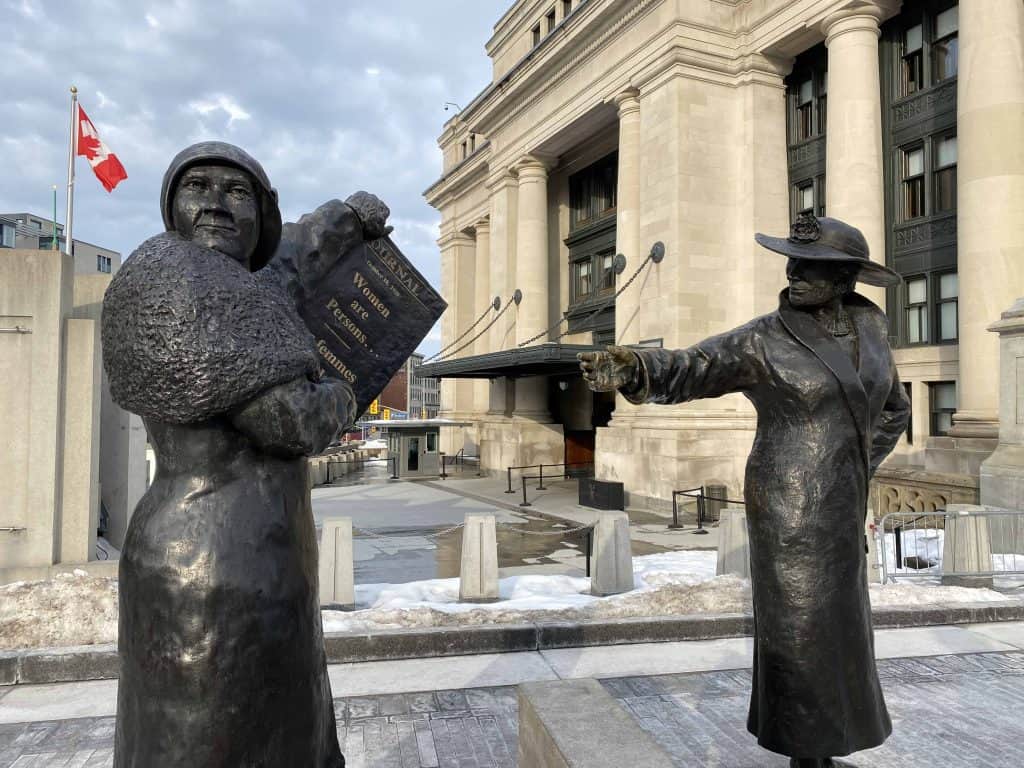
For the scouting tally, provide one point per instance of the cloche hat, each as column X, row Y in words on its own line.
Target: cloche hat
column 828, row 239
column 222, row 153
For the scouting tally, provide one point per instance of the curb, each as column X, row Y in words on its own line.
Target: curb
column 100, row 662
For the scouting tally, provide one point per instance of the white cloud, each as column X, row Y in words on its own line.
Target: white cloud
column 372, row 71
column 220, row 102
column 152, row 21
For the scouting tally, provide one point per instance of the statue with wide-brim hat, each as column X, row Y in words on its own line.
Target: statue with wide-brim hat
column 830, row 408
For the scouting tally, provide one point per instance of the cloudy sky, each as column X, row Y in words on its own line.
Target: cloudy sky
column 330, row 97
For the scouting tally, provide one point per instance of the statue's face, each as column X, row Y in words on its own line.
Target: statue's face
column 814, row 283
column 217, row 206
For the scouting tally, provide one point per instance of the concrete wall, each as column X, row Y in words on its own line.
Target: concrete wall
column 122, row 462
column 36, row 294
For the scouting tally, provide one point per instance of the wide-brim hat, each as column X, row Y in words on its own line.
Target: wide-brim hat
column 828, row 239
column 222, row 153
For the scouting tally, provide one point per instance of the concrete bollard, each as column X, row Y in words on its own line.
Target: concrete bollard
column 337, row 579
column 611, row 563
column 733, row 543
column 478, row 576
column 966, row 547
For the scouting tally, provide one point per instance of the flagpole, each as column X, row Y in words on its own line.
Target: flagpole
column 72, row 151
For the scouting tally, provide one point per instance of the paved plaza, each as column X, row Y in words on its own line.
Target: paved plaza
column 955, row 694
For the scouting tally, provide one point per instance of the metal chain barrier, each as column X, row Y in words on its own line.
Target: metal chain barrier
column 560, row 532
column 435, row 535
column 515, row 299
column 495, row 305
column 656, row 255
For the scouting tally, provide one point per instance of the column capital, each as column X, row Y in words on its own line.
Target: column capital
column 533, row 166
column 483, row 226
column 628, row 102
column 858, row 16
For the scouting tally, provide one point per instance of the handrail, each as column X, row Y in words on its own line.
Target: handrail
column 565, row 475
column 702, row 498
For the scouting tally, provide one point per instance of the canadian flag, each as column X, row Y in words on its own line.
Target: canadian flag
column 105, row 165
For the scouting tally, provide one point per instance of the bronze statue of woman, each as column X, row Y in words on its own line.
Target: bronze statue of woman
column 830, row 408
column 220, row 635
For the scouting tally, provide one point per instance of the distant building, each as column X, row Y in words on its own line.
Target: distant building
column 27, row 230
column 406, row 396
column 424, row 394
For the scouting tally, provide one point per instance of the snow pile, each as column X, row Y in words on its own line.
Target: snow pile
column 666, row 584
column 77, row 609
column 70, row 609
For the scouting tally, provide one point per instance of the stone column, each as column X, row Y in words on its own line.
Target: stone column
column 853, row 144
column 531, row 271
column 1002, row 473
column 532, row 250
column 449, row 327
column 627, row 235
column 504, row 200
column 483, row 299
column 990, row 198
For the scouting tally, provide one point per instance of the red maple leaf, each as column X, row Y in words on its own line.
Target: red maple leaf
column 88, row 146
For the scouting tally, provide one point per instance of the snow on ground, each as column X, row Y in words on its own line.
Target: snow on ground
column 926, row 545
column 78, row 609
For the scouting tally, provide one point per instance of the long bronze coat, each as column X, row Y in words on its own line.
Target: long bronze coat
column 823, row 427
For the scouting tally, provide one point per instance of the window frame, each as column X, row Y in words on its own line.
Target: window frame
column 920, row 308
column 934, row 413
column 940, row 301
column 948, row 168
column 918, row 180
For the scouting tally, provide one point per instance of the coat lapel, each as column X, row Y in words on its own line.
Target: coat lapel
column 808, row 332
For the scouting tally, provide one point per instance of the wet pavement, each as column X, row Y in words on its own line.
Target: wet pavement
column 404, row 529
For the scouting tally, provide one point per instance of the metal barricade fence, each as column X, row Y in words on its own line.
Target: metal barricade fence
column 912, row 545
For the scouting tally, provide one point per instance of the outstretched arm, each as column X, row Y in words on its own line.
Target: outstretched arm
column 297, row 418
column 730, row 362
column 891, row 423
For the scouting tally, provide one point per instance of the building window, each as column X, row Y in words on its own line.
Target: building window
column 822, row 102
column 917, row 310
column 942, row 395
column 607, row 261
column 913, row 183
column 7, row 233
column 946, row 302
column 103, row 264
column 805, row 198
column 592, row 191
column 431, row 442
column 536, row 35
column 472, row 143
column 946, row 48
column 551, row 21
column 581, row 279
column 805, row 110
column 913, row 59
column 464, row 152
column 566, row 8
column 945, row 174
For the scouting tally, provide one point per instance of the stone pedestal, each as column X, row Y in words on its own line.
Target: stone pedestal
column 1002, row 473
column 336, row 569
column 733, row 544
column 478, row 575
column 967, row 548
column 611, row 563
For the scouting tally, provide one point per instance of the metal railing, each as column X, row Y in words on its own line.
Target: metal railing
column 706, row 513
column 912, row 545
column 540, row 485
column 459, row 462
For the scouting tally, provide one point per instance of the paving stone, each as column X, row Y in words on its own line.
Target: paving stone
column 953, row 711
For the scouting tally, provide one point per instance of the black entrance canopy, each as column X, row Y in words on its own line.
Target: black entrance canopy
column 549, row 359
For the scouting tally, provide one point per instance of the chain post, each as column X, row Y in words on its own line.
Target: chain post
column 700, row 513
column 675, row 524
column 443, row 475
column 540, row 486
column 510, row 481
column 525, row 502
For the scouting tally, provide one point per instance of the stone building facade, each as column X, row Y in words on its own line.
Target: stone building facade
column 610, row 125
